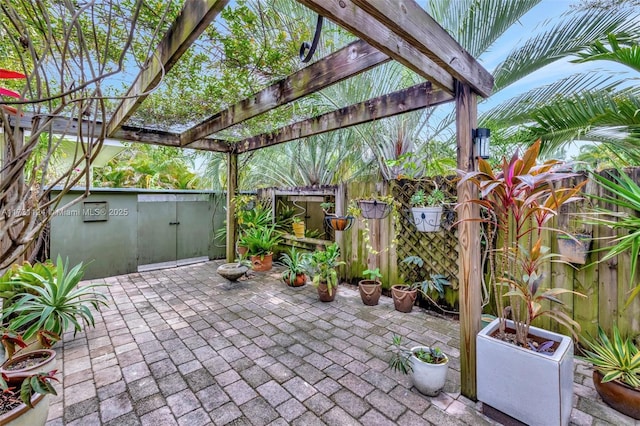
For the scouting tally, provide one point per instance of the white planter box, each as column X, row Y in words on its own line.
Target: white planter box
column 427, row 219
column 534, row 388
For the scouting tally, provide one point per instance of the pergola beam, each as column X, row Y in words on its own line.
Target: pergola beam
column 355, row 20
column 195, row 17
column 349, row 61
column 411, row 22
column 413, row 98
column 92, row 129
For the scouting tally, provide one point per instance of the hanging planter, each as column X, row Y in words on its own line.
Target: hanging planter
column 339, row 223
column 427, row 219
column 574, row 248
column 374, row 209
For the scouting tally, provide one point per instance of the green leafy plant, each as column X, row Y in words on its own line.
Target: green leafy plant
column 296, row 219
column 293, row 263
column 518, row 201
column 12, row 280
column 56, row 303
column 327, row 207
column 433, row 199
column 322, row 264
column 372, row 274
column 436, row 283
column 616, row 359
column 401, row 357
column 625, row 194
column 261, row 240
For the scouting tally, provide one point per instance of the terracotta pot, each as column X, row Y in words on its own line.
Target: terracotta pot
column 298, row 229
column 370, row 291
column 323, row 293
column 25, row 416
column 339, row 223
column 242, row 250
column 618, row 396
column 299, row 281
column 14, row 376
column 262, row 263
column 403, row 299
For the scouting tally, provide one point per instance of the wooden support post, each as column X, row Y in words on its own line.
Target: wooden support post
column 232, row 185
column 470, row 268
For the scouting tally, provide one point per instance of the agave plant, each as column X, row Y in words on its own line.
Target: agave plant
column 615, row 359
column 55, row 302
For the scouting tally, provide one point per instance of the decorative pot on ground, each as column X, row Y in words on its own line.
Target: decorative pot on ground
column 298, row 281
column 509, row 375
column 374, row 209
column 427, row 219
column 428, row 378
column 403, row 297
column 575, row 248
column 323, row 292
column 618, row 395
column 28, row 364
column 262, row 263
column 339, row 223
column 25, row 416
column 232, row 271
column 370, row 291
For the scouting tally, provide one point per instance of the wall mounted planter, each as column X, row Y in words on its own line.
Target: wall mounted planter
column 427, row 219
column 374, row 209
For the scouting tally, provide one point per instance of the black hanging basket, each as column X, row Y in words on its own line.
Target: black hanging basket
column 339, row 223
column 374, row 209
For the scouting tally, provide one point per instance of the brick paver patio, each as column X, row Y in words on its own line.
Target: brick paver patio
column 183, row 346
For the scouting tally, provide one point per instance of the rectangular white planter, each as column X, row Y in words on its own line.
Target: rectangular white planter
column 534, row 388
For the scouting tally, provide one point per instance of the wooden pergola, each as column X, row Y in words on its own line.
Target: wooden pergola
column 388, row 30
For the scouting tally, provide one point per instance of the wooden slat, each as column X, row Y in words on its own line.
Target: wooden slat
column 347, row 62
column 412, row 23
column 411, row 99
column 195, row 17
column 469, row 237
column 232, row 186
column 92, row 129
column 346, row 14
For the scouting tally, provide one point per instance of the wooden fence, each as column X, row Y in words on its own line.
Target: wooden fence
column 605, row 284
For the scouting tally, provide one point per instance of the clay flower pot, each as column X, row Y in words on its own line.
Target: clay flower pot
column 262, row 263
column 370, row 291
column 299, row 281
column 403, row 299
column 618, row 396
column 323, row 293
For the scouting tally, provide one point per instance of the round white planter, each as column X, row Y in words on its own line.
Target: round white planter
column 427, row 219
column 429, row 379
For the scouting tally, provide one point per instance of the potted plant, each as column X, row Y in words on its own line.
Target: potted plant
column 370, row 288
column 55, row 303
column 333, row 221
column 298, row 227
column 428, row 365
column 321, row 265
column 427, row 287
column 616, row 374
column 261, row 241
column 404, row 296
column 375, row 207
column 427, row 209
column 294, row 273
column 519, row 201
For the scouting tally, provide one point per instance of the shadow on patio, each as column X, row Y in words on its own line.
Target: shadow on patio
column 184, row 346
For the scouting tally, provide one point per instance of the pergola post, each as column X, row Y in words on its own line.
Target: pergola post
column 232, row 186
column 469, row 272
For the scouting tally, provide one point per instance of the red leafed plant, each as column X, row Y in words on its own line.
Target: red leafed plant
column 518, row 201
column 6, row 74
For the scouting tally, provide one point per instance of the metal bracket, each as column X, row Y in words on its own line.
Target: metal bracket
column 314, row 44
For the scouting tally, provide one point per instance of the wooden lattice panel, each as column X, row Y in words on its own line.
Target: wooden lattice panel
column 439, row 250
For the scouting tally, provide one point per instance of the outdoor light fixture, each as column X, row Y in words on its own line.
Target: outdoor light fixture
column 481, row 138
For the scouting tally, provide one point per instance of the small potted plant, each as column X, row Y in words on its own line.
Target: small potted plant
column 298, row 226
column 261, row 240
column 616, row 374
column 370, row 288
column 376, row 207
column 428, row 365
column 294, row 273
column 333, row 221
column 427, row 209
column 321, row 265
column 404, row 296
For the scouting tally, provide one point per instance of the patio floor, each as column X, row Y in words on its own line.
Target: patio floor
column 184, row 346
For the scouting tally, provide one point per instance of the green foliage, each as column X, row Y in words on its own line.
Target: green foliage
column 616, row 359
column 623, row 193
column 293, row 263
column 322, row 264
column 56, row 302
column 261, row 240
column 372, row 274
column 435, row 198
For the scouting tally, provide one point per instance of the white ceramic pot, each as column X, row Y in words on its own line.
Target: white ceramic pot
column 429, row 379
column 427, row 219
column 534, row 388
column 25, row 416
